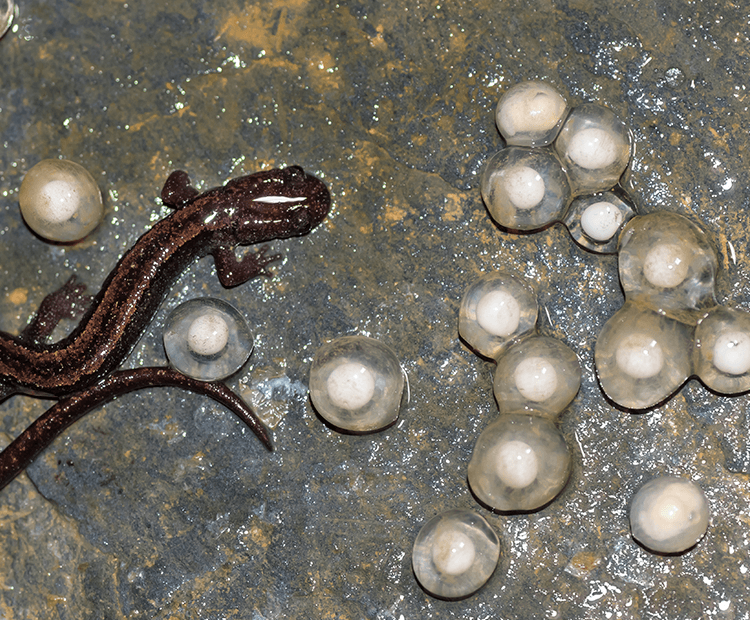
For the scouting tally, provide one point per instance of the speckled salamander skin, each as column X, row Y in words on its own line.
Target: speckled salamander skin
column 214, row 222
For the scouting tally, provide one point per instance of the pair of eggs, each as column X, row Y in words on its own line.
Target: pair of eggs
column 456, row 552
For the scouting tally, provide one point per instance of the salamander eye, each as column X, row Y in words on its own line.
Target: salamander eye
column 207, row 339
column 301, row 219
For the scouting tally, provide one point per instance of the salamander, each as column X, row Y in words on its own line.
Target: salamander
column 256, row 208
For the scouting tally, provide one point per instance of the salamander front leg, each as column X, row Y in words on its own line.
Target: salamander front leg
column 233, row 272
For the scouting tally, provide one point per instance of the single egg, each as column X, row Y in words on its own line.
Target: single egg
column 207, row 339
column 595, row 220
column 356, row 384
column 60, row 200
column 519, row 463
column 669, row 515
column 640, row 356
column 495, row 310
column 536, row 378
column 208, row 334
column 499, row 313
column 669, row 263
column 594, row 147
column 643, row 356
column 732, row 353
column 539, row 374
column 666, row 265
column 351, row 386
column 524, row 188
column 722, row 340
column 530, row 114
column 601, row 220
column 7, row 11
column 455, row 553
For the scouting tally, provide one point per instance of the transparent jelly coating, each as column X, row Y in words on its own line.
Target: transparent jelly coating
column 642, row 356
column 594, row 147
column 669, row 515
column 668, row 262
column 519, row 463
column 207, row 339
column 60, row 200
column 525, row 189
column 722, row 341
column 540, row 375
column 356, row 384
column 495, row 310
column 530, row 114
column 7, row 11
column 455, row 553
column 595, row 220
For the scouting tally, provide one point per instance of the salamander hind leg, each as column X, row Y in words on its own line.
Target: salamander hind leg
column 233, row 272
column 68, row 302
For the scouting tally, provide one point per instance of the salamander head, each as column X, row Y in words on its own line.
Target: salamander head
column 285, row 202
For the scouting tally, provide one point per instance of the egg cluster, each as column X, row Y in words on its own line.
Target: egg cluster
column 559, row 165
column 520, row 461
column 670, row 327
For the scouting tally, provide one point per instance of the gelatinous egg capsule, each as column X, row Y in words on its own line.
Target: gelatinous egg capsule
column 525, row 189
column 356, row 384
column 7, row 11
column 60, row 200
column 594, row 147
column 722, row 341
column 455, row 553
column 530, row 114
column 668, row 262
column 519, row 463
column 595, row 221
column 669, row 515
column 642, row 356
column 495, row 310
column 207, row 339
column 539, row 374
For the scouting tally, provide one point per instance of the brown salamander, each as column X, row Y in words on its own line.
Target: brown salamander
column 79, row 369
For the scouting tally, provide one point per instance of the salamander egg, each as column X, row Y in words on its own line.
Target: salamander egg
column 60, row 200
column 669, row 515
column 640, row 356
column 524, row 188
column 356, row 384
column 530, row 114
column 519, row 463
column 207, row 339
column 495, row 310
column 723, row 343
column 601, row 220
column 7, row 11
column 538, row 374
column 455, row 553
column 594, row 146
